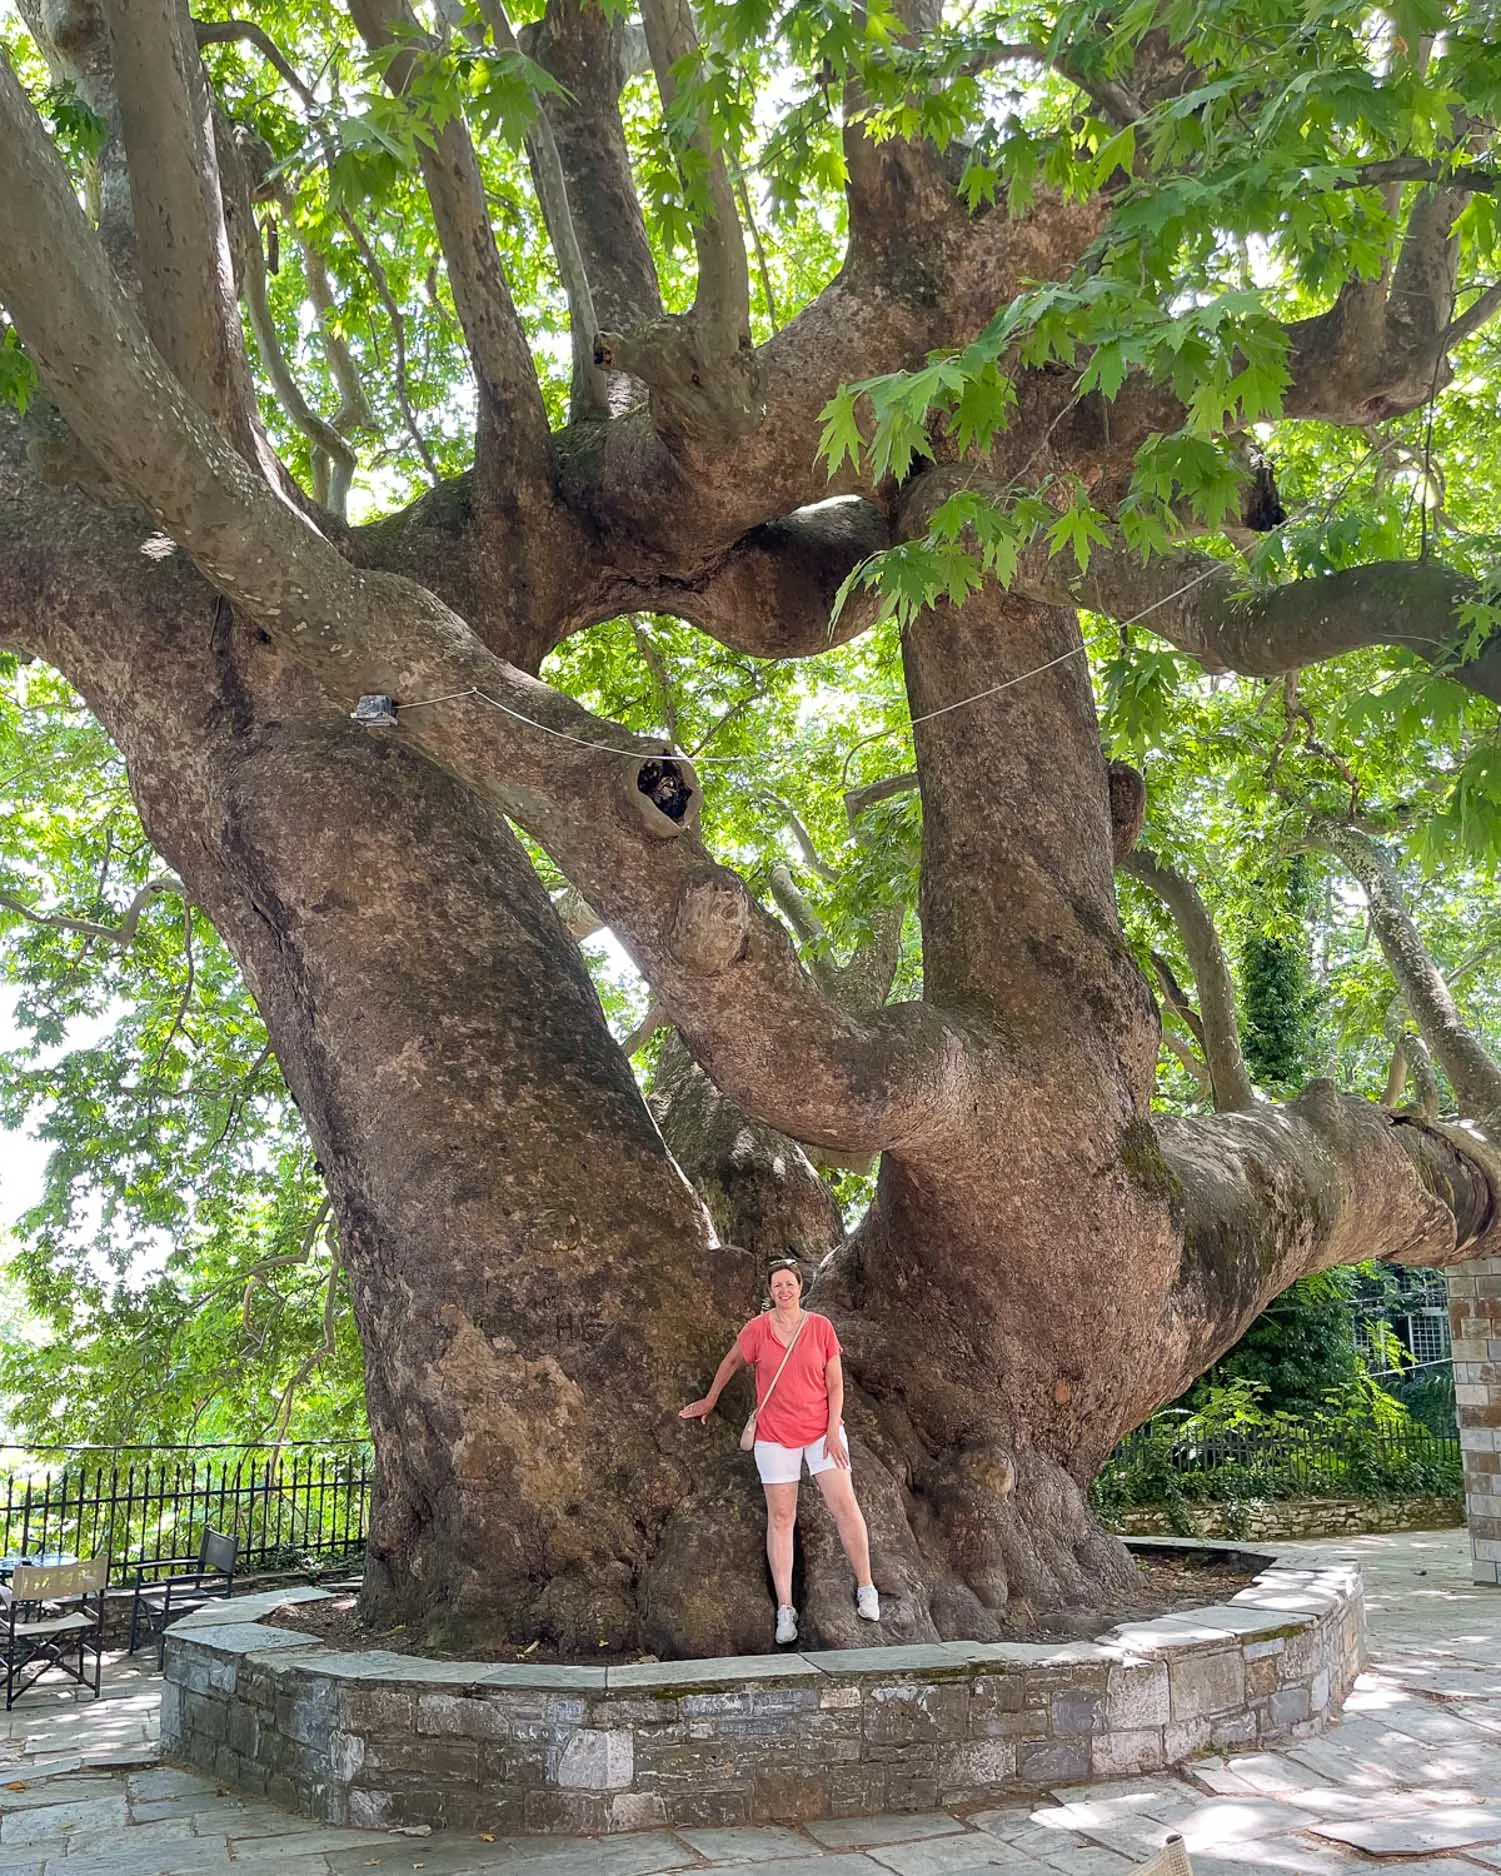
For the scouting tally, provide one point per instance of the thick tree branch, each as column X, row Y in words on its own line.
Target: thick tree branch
column 1381, row 349
column 1265, row 1197
column 1220, row 1033
column 582, row 46
column 590, row 391
column 182, row 249
column 857, row 800
column 1411, row 1059
column 700, row 368
column 1202, row 606
column 771, row 594
column 513, row 451
column 722, row 301
column 724, row 967
column 1473, row 1072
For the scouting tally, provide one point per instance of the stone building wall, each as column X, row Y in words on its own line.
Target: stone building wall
column 378, row 1739
column 1475, row 1331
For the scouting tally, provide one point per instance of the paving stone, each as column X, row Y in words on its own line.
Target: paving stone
column 52, row 1823
column 1283, row 1857
column 948, row 1856
column 1091, row 1860
column 746, row 1843
column 805, row 1865
column 642, row 1853
column 1449, row 1828
column 304, row 1842
column 859, row 1833
column 27, row 1793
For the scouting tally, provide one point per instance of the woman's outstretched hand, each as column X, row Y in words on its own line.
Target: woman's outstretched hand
column 696, row 1409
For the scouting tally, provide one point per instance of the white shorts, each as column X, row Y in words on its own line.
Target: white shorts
column 783, row 1465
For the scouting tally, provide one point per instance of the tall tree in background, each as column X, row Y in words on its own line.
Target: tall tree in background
column 1041, row 273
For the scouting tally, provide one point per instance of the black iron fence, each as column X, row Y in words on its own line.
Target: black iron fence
column 1167, row 1466
column 293, row 1506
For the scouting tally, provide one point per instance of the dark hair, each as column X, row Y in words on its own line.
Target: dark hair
column 787, row 1263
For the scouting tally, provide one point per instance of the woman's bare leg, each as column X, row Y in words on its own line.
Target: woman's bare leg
column 839, row 1495
column 781, row 1515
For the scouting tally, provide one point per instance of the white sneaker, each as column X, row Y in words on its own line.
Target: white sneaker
column 786, row 1625
column 868, row 1603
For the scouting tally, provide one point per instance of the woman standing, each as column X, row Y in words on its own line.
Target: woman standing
column 799, row 1401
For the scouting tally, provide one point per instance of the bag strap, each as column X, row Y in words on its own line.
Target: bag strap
column 785, row 1359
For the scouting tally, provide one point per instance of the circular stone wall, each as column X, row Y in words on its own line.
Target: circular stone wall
column 377, row 1739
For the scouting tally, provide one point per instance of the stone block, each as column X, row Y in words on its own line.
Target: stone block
column 1120, row 1754
column 390, row 1757
column 1136, row 1696
column 637, row 1810
column 1228, row 1730
column 378, row 1709
column 1047, row 1762
column 686, row 1677
column 171, row 1717
column 584, row 1813
column 1181, row 1739
column 1076, row 1711
column 713, row 1706
column 905, row 1713
column 840, row 1697
column 594, row 1760
column 976, row 1764
column 1206, row 1683
column 346, row 1756
column 731, row 1804
column 462, row 1716
column 786, row 1795
column 1286, row 1708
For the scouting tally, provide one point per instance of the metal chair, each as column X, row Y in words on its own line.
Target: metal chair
column 41, row 1632
column 159, row 1600
column 1170, row 1860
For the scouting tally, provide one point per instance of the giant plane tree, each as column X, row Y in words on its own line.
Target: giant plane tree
column 386, row 380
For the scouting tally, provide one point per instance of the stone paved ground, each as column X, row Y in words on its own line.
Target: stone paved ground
column 1409, row 1781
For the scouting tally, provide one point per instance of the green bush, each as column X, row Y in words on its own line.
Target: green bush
column 1231, row 1450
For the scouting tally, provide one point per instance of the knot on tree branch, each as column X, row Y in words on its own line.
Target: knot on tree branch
column 705, row 387
column 710, row 923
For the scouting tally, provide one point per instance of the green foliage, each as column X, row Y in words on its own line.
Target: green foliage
column 18, row 379
column 1232, row 1450
column 176, row 1267
column 1276, row 989
column 1298, row 1353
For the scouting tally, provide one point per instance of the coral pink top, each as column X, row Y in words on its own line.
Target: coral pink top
column 799, row 1410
